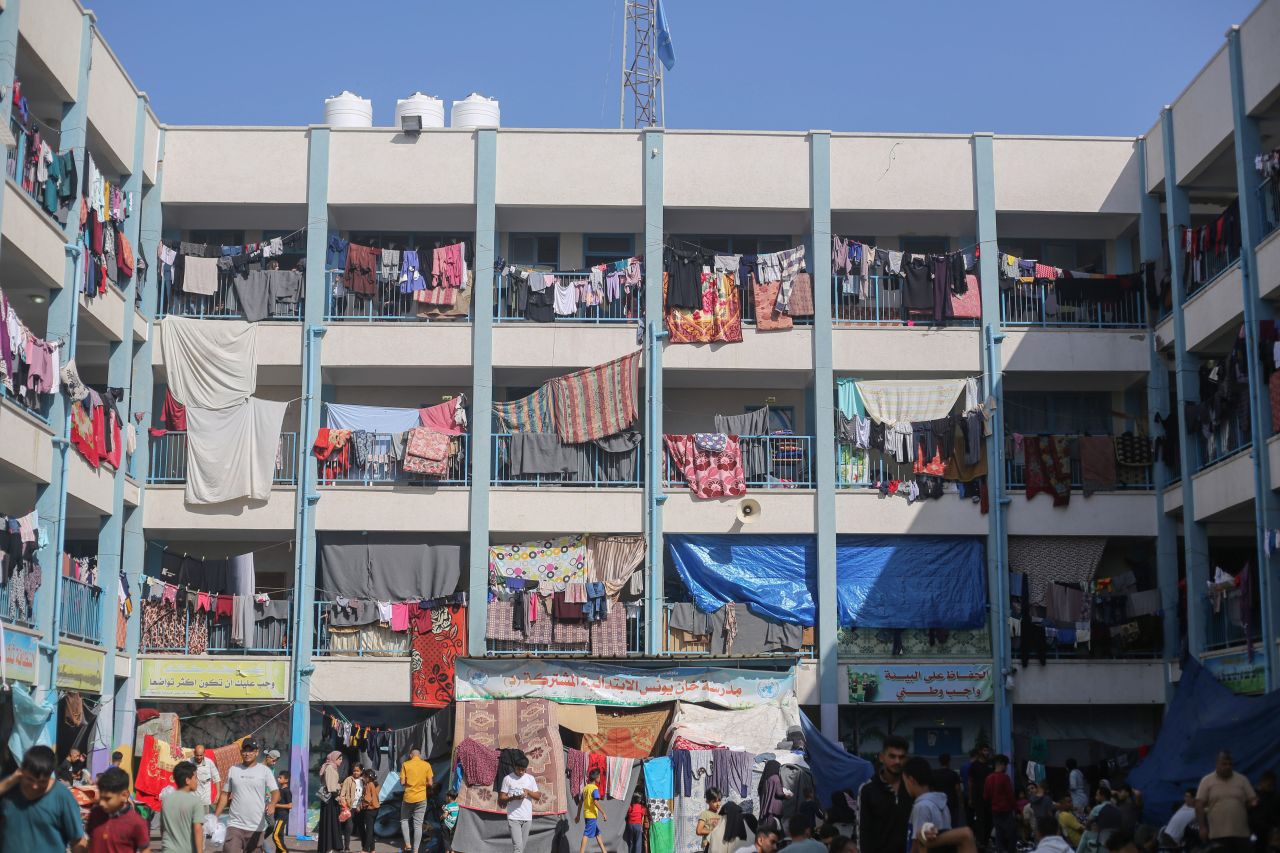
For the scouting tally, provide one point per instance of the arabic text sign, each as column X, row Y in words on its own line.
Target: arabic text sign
column 80, row 668
column 185, row 678
column 905, row 683
column 20, row 656
column 602, row 684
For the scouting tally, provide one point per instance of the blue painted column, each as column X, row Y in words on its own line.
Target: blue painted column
column 486, row 166
column 823, row 426
column 1195, row 538
column 134, row 547
column 307, row 495
column 984, row 196
column 111, row 535
column 64, row 310
column 1266, row 508
column 1158, row 404
column 655, row 335
column 8, row 63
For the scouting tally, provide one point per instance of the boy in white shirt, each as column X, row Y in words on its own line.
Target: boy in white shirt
column 519, row 793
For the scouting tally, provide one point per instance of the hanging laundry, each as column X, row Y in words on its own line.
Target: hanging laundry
column 708, row 474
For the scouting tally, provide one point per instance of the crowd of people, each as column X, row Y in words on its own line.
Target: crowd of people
column 910, row 805
column 42, row 806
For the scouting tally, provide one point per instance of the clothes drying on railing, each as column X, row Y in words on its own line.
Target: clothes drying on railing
column 228, row 281
column 586, row 405
column 540, row 296
column 110, row 257
column 399, row 278
column 49, row 177
column 378, row 440
column 1222, row 414
column 926, row 285
column 82, row 569
column 1208, row 249
column 28, row 364
column 711, row 463
column 718, row 317
column 97, row 428
column 20, row 537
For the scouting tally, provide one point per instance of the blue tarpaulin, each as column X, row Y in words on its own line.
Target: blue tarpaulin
column 911, row 581
column 882, row 581
column 834, row 769
column 775, row 575
column 1203, row 718
column 383, row 419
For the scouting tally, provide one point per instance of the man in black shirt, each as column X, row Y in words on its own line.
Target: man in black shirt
column 979, row 811
column 947, row 781
column 884, row 806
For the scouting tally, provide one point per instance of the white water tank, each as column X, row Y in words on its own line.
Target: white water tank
column 348, row 110
column 429, row 107
column 475, row 110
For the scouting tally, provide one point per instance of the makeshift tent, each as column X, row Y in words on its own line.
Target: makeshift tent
column 231, row 452
column 834, row 768
column 881, row 581
column 389, row 566
column 776, row 576
column 911, row 581
column 1205, row 717
column 212, row 364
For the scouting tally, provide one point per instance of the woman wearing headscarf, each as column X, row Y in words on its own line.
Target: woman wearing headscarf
column 771, row 794
column 329, row 829
column 732, row 832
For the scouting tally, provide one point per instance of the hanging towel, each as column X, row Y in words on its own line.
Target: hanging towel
column 448, row 417
column 231, row 453
column 211, row 364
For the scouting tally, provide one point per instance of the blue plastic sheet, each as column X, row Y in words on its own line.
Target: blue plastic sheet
column 882, row 581
column 29, row 720
column 911, row 581
column 775, row 575
column 834, row 769
column 1203, row 718
column 371, row 418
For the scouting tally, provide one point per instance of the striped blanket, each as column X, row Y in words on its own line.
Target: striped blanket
column 531, row 414
column 598, row 401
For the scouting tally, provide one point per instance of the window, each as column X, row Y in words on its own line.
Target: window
column 540, row 250
column 780, row 417
column 1036, row 412
column 925, row 245
column 607, row 248
column 733, row 245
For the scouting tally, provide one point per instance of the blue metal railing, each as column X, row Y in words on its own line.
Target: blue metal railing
column 635, row 641
column 508, row 292
column 388, row 305
column 42, row 413
column 80, row 611
column 881, row 306
column 1268, row 206
column 384, row 467
column 1217, row 266
column 1233, row 436
column 1135, row 477
column 715, row 645
column 223, row 304
column 596, row 468
column 1038, row 304
column 169, row 459
column 1223, row 621
column 358, row 643
column 788, row 463
column 8, row 614
column 270, row 637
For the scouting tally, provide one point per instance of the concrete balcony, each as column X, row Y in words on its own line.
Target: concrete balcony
column 864, row 510
column 781, row 511
column 1091, row 682
column 35, row 236
column 1224, row 485
column 399, row 507
column 867, row 351
column 1214, row 310
column 27, row 449
column 104, row 313
column 396, row 347
column 563, row 347
column 539, row 510
column 1268, row 255
column 166, row 513
column 94, row 487
column 1101, row 514
column 1062, row 350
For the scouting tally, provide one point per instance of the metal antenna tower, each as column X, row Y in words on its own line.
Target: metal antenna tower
column 641, row 70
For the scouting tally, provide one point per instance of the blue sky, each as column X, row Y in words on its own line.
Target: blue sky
column 1009, row 66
